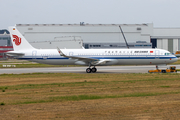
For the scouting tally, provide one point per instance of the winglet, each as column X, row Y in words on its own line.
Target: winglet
column 60, row 52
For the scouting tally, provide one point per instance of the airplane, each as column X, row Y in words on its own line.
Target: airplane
column 87, row 57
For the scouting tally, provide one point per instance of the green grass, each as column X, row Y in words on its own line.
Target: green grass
column 60, row 87
column 165, row 86
column 92, row 97
column 28, row 64
column 85, row 83
column 2, row 103
column 37, row 65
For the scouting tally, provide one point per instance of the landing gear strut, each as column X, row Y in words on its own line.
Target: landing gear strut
column 89, row 70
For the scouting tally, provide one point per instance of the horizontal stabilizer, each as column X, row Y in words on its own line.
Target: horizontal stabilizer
column 14, row 53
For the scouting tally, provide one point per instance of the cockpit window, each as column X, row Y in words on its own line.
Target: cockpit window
column 168, row 54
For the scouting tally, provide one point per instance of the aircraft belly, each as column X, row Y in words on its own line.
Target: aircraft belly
column 143, row 61
column 112, row 62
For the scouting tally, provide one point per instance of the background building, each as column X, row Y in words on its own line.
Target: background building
column 100, row 36
column 138, row 44
column 166, row 38
column 94, row 36
column 5, row 43
column 5, row 39
column 107, row 34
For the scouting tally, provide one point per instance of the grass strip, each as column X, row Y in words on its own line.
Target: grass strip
column 91, row 97
column 75, row 84
column 35, row 65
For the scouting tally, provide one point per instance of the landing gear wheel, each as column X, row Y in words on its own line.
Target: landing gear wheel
column 88, row 70
column 163, row 71
column 94, row 70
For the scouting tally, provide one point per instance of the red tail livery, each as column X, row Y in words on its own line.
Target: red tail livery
column 16, row 39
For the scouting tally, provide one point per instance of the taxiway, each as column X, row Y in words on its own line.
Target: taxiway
column 100, row 69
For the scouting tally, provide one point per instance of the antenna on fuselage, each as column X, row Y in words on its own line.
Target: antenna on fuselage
column 124, row 37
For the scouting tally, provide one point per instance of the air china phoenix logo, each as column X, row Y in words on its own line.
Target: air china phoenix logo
column 16, row 39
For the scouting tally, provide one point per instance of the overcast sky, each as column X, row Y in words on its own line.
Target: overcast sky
column 162, row 13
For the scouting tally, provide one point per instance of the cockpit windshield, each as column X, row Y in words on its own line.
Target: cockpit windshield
column 168, row 54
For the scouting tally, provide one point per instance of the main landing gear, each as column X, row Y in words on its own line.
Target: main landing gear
column 89, row 70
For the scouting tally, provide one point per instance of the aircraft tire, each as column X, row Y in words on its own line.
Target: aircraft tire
column 163, row 71
column 88, row 70
column 94, row 70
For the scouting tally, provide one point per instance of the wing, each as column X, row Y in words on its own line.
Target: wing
column 84, row 60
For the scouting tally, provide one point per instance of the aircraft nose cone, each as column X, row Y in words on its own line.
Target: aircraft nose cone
column 174, row 59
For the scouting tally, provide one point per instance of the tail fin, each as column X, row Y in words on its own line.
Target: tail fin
column 18, row 40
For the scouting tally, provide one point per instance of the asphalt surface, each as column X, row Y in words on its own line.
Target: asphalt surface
column 100, row 69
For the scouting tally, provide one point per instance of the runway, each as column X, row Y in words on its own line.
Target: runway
column 100, row 69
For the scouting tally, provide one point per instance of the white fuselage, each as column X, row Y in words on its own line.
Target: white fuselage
column 114, row 56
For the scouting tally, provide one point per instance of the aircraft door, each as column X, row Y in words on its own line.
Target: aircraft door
column 34, row 53
column 71, row 53
column 156, row 54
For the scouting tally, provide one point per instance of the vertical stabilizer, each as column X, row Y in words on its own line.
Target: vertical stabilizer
column 18, row 40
